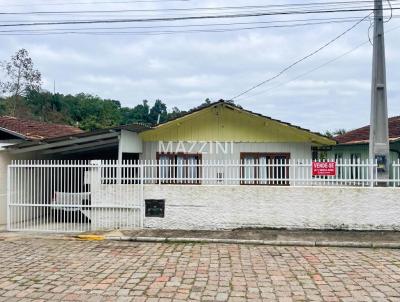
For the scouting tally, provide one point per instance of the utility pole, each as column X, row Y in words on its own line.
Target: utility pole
column 379, row 130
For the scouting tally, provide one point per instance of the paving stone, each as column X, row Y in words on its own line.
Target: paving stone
column 68, row 270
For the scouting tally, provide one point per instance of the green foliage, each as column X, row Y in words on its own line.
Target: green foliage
column 24, row 98
column 83, row 110
column 158, row 112
column 2, row 106
column 138, row 114
column 89, row 112
column 19, row 78
column 334, row 133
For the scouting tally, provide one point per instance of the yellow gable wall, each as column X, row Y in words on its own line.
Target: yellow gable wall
column 224, row 123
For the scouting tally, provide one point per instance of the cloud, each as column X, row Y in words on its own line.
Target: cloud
column 184, row 69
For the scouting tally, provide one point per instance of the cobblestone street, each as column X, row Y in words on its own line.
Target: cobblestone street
column 71, row 270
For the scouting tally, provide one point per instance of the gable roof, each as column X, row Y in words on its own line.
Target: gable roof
column 312, row 136
column 361, row 135
column 34, row 130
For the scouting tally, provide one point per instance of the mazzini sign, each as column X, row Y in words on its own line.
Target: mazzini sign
column 196, row 147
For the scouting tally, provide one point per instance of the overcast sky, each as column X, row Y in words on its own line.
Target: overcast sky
column 183, row 69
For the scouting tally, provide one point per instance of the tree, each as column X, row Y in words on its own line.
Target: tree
column 2, row 106
column 337, row 132
column 138, row 114
column 158, row 109
column 21, row 77
column 91, row 112
column 175, row 113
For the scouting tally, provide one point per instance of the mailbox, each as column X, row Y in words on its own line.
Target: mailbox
column 155, row 207
column 381, row 161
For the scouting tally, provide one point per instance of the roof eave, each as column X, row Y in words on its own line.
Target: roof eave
column 319, row 136
column 366, row 142
column 31, row 146
column 19, row 135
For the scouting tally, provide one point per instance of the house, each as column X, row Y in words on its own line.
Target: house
column 116, row 143
column 216, row 144
column 218, row 166
column 244, row 134
column 216, row 132
column 14, row 131
column 354, row 145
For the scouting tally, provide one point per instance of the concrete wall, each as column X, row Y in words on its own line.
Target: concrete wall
column 118, row 196
column 130, row 142
column 220, row 207
column 5, row 160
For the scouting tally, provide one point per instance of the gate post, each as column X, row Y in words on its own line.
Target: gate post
column 95, row 194
column 8, row 209
column 142, row 202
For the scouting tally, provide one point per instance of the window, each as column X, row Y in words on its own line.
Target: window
column 355, row 170
column 339, row 161
column 179, row 168
column 264, row 168
column 338, row 157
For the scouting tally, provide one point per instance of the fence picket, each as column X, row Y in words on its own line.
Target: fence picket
column 58, row 195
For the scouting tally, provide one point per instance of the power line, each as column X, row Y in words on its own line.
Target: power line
column 205, row 24
column 150, row 33
column 391, row 11
column 169, row 19
column 96, row 2
column 320, row 66
column 312, row 70
column 301, row 60
column 151, row 1
column 290, row 23
column 313, row 4
column 111, row 30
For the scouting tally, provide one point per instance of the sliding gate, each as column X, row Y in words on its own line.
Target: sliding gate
column 74, row 196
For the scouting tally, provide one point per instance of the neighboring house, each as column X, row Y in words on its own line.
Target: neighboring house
column 14, row 131
column 353, row 145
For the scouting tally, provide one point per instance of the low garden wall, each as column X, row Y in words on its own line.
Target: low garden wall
column 225, row 207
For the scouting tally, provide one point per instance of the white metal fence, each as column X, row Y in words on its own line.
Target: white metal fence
column 77, row 196
column 395, row 178
column 72, row 196
column 268, row 172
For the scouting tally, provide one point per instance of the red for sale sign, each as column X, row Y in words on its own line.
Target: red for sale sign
column 324, row 168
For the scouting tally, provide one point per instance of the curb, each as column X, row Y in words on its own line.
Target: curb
column 305, row 243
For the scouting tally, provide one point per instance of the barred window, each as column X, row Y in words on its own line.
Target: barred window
column 265, row 168
column 179, row 168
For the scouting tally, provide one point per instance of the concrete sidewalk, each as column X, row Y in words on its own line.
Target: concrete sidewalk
column 367, row 239
column 273, row 237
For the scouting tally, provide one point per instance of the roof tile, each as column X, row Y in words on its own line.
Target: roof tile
column 361, row 135
column 35, row 130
